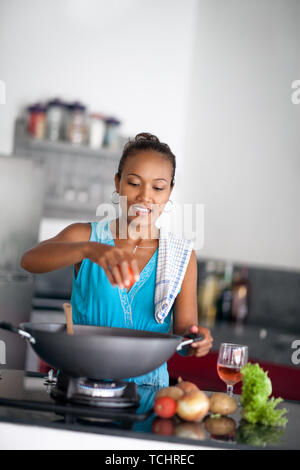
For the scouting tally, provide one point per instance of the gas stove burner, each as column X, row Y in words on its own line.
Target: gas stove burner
column 99, row 388
column 99, row 393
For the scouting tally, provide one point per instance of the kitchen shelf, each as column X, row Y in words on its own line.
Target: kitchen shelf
column 24, row 142
column 70, row 169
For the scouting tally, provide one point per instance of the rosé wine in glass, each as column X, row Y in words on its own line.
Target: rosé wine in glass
column 232, row 357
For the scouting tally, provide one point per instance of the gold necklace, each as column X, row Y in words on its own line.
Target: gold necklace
column 136, row 246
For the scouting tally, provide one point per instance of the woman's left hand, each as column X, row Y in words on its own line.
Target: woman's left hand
column 200, row 348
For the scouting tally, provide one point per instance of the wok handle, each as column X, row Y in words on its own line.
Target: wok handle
column 13, row 329
column 193, row 339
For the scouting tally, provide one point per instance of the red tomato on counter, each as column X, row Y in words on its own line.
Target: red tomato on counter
column 165, row 407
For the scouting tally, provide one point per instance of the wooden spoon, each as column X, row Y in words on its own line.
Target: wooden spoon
column 68, row 312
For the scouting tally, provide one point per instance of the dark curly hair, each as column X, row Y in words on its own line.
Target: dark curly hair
column 144, row 142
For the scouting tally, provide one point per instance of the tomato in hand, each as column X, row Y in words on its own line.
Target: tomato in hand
column 131, row 278
column 165, row 407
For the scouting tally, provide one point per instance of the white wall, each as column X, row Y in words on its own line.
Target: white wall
column 211, row 78
column 242, row 143
column 130, row 58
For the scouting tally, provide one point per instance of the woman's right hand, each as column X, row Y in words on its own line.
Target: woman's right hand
column 115, row 262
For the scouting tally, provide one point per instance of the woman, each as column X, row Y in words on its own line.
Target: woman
column 103, row 253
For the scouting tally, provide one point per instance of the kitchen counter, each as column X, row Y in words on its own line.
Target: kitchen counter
column 143, row 432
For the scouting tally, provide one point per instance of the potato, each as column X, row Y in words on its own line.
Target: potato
column 222, row 426
column 193, row 406
column 173, row 392
column 187, row 387
column 223, row 404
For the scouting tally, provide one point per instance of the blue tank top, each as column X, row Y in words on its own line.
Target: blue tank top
column 96, row 302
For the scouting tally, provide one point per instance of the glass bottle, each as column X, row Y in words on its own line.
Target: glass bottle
column 76, row 124
column 111, row 138
column 224, row 304
column 96, row 130
column 240, row 296
column 207, row 295
column 36, row 124
column 55, row 119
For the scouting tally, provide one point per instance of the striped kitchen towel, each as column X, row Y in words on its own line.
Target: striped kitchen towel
column 173, row 258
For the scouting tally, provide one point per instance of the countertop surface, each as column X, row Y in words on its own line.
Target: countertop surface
column 146, row 426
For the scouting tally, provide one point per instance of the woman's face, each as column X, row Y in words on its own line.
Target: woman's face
column 145, row 181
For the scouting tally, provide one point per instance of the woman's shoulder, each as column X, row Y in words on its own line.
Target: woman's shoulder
column 80, row 230
column 77, row 232
column 95, row 231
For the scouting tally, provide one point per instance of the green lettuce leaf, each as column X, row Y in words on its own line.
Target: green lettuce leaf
column 257, row 386
column 257, row 407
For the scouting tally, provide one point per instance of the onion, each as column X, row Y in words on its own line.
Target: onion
column 187, row 387
column 193, row 406
column 173, row 392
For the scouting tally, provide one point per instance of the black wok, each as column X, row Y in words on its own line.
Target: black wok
column 100, row 352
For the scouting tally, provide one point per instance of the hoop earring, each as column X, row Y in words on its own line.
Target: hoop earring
column 114, row 202
column 171, row 206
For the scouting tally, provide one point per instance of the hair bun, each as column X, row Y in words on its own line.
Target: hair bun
column 142, row 136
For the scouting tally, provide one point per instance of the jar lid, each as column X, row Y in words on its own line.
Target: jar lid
column 37, row 108
column 113, row 121
column 76, row 106
column 55, row 102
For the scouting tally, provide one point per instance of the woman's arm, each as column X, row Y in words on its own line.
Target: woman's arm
column 65, row 249
column 186, row 310
column 71, row 246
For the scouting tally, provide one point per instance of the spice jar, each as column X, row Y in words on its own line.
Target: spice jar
column 76, row 125
column 96, row 130
column 54, row 119
column 111, row 138
column 37, row 121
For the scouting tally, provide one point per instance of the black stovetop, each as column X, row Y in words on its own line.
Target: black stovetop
column 26, row 399
column 33, row 391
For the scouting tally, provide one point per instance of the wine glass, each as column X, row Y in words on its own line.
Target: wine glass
column 232, row 357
